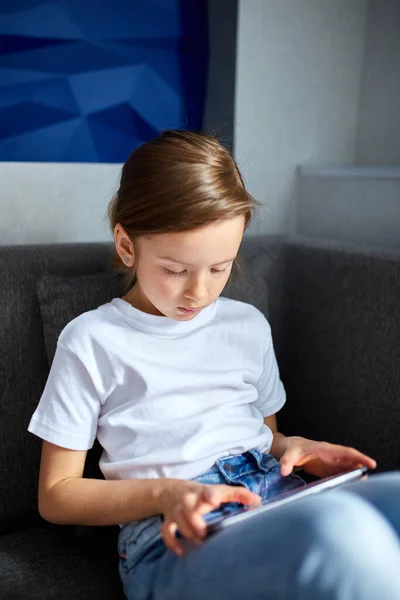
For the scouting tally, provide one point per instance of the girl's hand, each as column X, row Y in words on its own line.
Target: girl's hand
column 184, row 502
column 321, row 458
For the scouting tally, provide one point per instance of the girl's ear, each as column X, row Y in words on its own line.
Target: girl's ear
column 124, row 245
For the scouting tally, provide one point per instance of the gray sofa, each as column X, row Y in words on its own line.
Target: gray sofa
column 335, row 315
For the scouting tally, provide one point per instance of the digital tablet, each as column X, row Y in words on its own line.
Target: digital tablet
column 232, row 513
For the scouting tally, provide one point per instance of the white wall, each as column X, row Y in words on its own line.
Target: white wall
column 378, row 140
column 42, row 203
column 358, row 204
column 299, row 66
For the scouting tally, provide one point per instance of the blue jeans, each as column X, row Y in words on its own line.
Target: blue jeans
column 341, row 544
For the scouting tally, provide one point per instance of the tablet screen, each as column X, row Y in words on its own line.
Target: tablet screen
column 232, row 512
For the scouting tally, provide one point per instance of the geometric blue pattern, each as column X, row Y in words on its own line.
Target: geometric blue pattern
column 90, row 80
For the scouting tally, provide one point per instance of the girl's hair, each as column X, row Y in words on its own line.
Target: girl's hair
column 178, row 181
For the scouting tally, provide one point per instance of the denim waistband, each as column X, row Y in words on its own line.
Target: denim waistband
column 234, row 466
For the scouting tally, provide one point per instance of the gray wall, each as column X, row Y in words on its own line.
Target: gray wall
column 352, row 204
column 299, row 66
column 362, row 203
column 378, row 140
column 222, row 23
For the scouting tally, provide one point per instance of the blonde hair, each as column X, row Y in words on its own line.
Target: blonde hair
column 180, row 180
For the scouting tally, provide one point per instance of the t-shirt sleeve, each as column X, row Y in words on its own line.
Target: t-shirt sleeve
column 69, row 407
column 271, row 393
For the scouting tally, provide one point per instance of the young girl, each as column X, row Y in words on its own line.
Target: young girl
column 181, row 387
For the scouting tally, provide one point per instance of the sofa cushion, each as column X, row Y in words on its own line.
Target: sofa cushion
column 43, row 563
column 62, row 299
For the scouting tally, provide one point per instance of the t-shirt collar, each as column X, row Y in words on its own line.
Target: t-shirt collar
column 164, row 325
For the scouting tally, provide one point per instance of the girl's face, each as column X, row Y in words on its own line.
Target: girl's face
column 179, row 274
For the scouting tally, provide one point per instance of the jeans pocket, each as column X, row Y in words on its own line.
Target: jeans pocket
column 269, row 463
column 265, row 461
column 135, row 539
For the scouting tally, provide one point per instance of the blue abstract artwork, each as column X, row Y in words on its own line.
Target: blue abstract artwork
column 88, row 81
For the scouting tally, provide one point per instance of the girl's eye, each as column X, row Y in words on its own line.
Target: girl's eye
column 183, row 273
column 219, row 271
column 175, row 273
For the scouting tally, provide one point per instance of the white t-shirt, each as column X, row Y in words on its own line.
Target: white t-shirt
column 165, row 398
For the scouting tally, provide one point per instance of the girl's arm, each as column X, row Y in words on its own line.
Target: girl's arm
column 279, row 443
column 65, row 497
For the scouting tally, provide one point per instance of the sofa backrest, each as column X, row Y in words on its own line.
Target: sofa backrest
column 335, row 317
column 336, row 322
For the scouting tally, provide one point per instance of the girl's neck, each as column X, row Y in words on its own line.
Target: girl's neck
column 139, row 300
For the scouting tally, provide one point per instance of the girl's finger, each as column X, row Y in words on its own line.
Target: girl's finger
column 183, row 518
column 198, row 525
column 242, row 495
column 357, row 457
column 328, row 451
column 216, row 494
column 194, row 527
column 168, row 530
column 291, row 458
column 366, row 460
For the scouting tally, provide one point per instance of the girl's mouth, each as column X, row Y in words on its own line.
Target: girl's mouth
column 188, row 311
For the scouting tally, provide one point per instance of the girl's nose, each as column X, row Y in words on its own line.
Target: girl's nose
column 196, row 291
